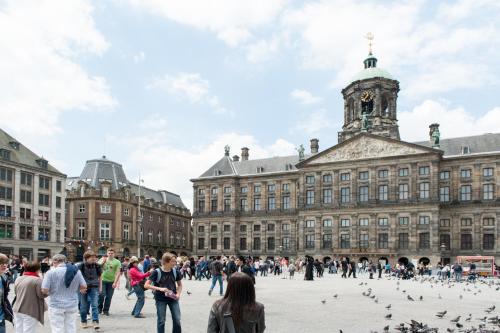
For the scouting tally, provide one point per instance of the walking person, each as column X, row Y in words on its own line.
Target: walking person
column 62, row 284
column 91, row 272
column 166, row 283
column 379, row 269
column 5, row 308
column 30, row 305
column 237, row 311
column 136, row 279
column 216, row 271
column 110, row 280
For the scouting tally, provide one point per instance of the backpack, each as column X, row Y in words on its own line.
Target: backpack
column 158, row 274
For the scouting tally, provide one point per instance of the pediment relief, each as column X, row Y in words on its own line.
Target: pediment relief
column 367, row 147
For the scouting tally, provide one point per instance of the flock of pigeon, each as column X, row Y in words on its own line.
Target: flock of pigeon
column 489, row 323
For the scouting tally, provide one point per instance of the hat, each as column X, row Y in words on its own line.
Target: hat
column 133, row 259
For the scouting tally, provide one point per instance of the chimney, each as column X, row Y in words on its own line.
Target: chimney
column 236, row 158
column 314, row 146
column 244, row 154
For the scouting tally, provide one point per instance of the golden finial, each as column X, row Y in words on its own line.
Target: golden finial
column 370, row 38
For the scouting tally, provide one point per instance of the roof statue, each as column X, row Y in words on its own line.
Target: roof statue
column 226, row 150
column 364, row 122
column 301, row 152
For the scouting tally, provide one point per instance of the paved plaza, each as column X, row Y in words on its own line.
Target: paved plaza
column 296, row 305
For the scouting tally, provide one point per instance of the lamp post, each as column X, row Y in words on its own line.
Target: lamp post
column 139, row 219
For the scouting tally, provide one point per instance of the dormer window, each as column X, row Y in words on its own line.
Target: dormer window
column 5, row 154
column 465, row 150
column 43, row 163
column 105, row 192
column 288, row 167
column 14, row 144
column 217, row 172
column 260, row 169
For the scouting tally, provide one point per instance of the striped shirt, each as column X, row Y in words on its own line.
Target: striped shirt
column 60, row 296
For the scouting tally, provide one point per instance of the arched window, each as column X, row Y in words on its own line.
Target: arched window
column 385, row 106
column 350, row 110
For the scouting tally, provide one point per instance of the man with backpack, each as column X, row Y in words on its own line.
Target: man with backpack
column 166, row 283
column 216, row 271
column 91, row 272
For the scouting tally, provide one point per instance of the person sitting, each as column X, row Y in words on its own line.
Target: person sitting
column 237, row 311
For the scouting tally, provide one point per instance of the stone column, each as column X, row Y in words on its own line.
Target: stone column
column 413, row 234
column 476, row 182
column 16, row 192
column 300, row 234
column 477, row 237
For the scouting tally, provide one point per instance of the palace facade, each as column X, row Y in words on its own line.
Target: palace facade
column 371, row 196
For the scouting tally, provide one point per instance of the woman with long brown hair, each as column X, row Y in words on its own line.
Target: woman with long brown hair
column 237, row 312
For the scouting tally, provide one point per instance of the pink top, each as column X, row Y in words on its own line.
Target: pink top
column 136, row 276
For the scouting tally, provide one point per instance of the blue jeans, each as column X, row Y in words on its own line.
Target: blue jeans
column 458, row 277
column 105, row 296
column 89, row 300
column 2, row 326
column 161, row 313
column 140, row 300
column 216, row 278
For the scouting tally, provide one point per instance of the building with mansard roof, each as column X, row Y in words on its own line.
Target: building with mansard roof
column 372, row 196
column 102, row 211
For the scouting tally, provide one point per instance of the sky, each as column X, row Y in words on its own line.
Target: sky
column 162, row 86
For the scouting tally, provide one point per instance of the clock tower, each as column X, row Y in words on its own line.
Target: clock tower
column 370, row 102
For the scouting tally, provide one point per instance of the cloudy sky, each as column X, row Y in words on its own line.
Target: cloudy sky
column 162, row 86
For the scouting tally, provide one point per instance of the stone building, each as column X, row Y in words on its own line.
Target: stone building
column 371, row 196
column 102, row 211
column 31, row 202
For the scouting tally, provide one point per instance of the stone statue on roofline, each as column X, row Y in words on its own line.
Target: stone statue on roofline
column 226, row 150
column 364, row 122
column 434, row 135
column 301, row 152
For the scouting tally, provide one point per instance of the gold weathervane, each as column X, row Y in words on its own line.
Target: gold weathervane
column 370, row 38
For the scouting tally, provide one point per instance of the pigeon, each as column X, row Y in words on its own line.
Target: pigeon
column 441, row 314
column 490, row 310
column 455, row 320
column 388, row 316
column 376, row 300
column 335, row 296
column 460, row 297
column 372, row 296
column 410, row 298
column 404, row 291
column 386, row 328
column 421, row 298
column 459, row 325
column 188, row 292
column 450, row 330
column 388, row 307
column 323, row 301
column 439, row 296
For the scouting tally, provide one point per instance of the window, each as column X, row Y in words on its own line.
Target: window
column 383, row 173
column 270, row 227
column 201, row 192
column 309, row 197
column 5, row 154
column 126, row 211
column 214, row 190
column 488, row 191
column 5, row 210
column 26, row 179
column 5, row 193
column 104, row 231
column 105, row 209
column 345, row 176
column 328, row 223
column 383, row 241
column 444, row 194
column 227, row 227
column 424, row 190
column 327, row 178
column 309, row 241
column 403, row 191
column 488, row 172
column 201, row 243
column 424, row 220
column 58, row 202
column 285, row 242
column 285, row 227
column 403, row 172
column 403, row 241
column 243, row 205
column 227, row 189
column 444, row 223
column 227, row 205
column 243, row 244
column 213, row 228
column 227, row 243
column 271, row 243
column 256, row 243
column 344, row 223
column 43, row 199
column 213, row 243
column 363, row 241
column 363, row 175
column 286, row 202
column 345, row 241
column 81, row 230
column 444, row 175
column 363, row 222
column 244, row 189
column 466, row 241
column 44, row 234
column 44, row 182
column 363, row 193
column 444, row 239
column 424, row 240
column 466, row 222
column 201, row 228
column 126, row 231
column 465, row 150
column 5, row 175
column 465, row 192
column 424, row 171
column 327, row 241
column 256, row 189
column 310, row 223
column 488, row 221
column 256, row 227
column 403, row 220
column 383, row 192
column 81, row 208
column 345, row 194
column 327, row 196
column 243, row 228
column 488, row 241
column 159, row 237
column 271, row 203
column 286, row 187
column 25, row 213
column 256, row 204
column 58, row 186
column 25, row 232
column 141, row 234
column 6, row 230
column 43, row 215
column 465, row 173
column 383, row 221
column 213, row 205
column 310, row 180
column 271, row 188
column 24, row 196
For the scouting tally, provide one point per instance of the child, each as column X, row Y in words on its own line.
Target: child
column 291, row 270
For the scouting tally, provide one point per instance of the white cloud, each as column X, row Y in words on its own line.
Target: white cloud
column 190, row 86
column 305, row 97
column 41, row 76
column 262, row 50
column 139, row 57
column 454, row 122
column 313, row 122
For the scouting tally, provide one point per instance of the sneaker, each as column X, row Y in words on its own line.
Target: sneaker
column 84, row 324
column 210, row 292
column 96, row 324
column 106, row 313
column 140, row 315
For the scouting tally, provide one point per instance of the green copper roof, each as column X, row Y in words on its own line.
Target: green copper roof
column 371, row 72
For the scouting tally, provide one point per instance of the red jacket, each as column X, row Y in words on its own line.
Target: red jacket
column 136, row 276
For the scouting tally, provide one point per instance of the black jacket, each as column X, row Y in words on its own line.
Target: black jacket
column 5, row 304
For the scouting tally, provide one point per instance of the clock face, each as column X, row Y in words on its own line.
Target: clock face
column 367, row 96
